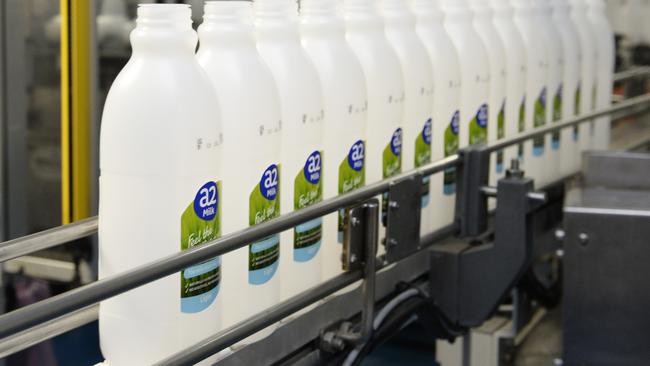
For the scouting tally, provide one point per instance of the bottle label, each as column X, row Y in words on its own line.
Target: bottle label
column 392, row 157
column 451, row 148
column 423, row 157
column 577, row 101
column 501, row 133
column 478, row 126
column 308, row 190
column 391, row 166
column 352, row 175
column 201, row 223
column 594, row 93
column 557, row 117
column 539, row 120
column 521, row 126
column 264, row 205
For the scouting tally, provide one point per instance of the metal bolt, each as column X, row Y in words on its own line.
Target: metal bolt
column 584, row 239
column 558, row 362
column 392, row 242
column 393, row 204
column 559, row 253
column 514, row 164
column 353, row 258
column 354, row 221
column 560, row 235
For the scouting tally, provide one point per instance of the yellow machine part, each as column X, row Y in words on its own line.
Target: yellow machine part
column 76, row 114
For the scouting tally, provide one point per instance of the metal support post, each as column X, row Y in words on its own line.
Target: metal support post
column 363, row 233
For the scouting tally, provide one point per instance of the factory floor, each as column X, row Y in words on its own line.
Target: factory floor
column 542, row 347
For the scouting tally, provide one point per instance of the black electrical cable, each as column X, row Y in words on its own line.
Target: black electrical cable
column 424, row 311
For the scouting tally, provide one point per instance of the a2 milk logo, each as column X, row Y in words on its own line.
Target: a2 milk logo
column 269, row 183
column 206, row 201
column 357, row 155
column 482, row 116
column 455, row 123
column 313, row 168
column 396, row 142
column 426, row 131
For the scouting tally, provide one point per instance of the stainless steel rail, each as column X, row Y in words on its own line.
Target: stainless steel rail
column 47, row 239
column 26, row 317
column 59, row 309
column 618, row 107
column 50, row 238
column 230, row 336
column 47, row 330
column 632, row 73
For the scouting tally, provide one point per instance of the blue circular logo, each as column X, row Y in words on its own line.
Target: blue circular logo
column 206, row 201
column 482, row 116
column 356, row 156
column 270, row 182
column 426, row 131
column 312, row 168
column 396, row 142
column 455, row 122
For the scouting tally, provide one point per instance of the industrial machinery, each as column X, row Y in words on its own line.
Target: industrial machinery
column 440, row 279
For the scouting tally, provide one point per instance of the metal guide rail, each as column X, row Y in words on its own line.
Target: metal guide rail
column 29, row 325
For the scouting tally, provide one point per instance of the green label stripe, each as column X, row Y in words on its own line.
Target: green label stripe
column 423, row 157
column 522, row 116
column 539, row 120
column 349, row 180
column 557, row 116
column 422, row 152
column 264, row 258
column 307, row 238
column 577, row 100
column 478, row 127
column 501, row 133
column 521, row 126
column 204, row 277
column 392, row 164
column 451, row 148
column 306, row 194
column 262, row 209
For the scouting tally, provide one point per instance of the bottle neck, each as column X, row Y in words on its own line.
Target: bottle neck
column 397, row 12
column 362, row 15
column 427, row 9
column 321, row 18
column 276, row 18
column 227, row 22
column 163, row 29
column 456, row 10
column 276, row 10
column 482, row 12
column 501, row 9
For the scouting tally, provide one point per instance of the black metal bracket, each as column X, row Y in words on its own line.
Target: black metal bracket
column 403, row 218
column 469, row 281
column 471, row 202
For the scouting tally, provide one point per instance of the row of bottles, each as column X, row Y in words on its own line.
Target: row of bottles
column 282, row 108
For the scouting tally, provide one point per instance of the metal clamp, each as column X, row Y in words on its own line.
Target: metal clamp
column 468, row 281
column 361, row 237
column 403, row 218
